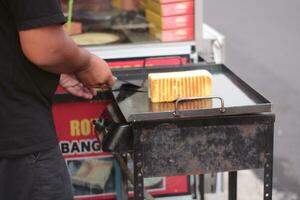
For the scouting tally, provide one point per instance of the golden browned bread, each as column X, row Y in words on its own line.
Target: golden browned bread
column 167, row 87
column 95, row 38
column 186, row 105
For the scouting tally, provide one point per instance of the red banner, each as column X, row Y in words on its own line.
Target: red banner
column 95, row 174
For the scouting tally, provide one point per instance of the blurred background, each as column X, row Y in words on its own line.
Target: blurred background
column 263, row 47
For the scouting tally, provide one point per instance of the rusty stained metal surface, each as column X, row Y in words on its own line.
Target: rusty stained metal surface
column 171, row 149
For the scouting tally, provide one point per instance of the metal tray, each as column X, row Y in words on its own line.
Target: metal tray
column 236, row 95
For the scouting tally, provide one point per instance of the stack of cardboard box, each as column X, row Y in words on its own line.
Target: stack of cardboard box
column 171, row 20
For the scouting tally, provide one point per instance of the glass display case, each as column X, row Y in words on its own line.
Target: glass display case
column 116, row 29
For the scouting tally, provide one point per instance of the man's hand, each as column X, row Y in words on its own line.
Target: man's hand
column 83, row 83
column 71, row 84
column 96, row 74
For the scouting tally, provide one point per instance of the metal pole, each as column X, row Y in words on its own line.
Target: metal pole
column 268, row 169
column 232, row 186
column 201, row 186
column 199, row 15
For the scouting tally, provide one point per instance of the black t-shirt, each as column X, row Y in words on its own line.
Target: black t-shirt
column 26, row 92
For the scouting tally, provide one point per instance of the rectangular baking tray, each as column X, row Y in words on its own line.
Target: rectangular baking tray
column 239, row 98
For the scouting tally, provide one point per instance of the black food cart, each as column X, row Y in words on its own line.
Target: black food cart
column 234, row 131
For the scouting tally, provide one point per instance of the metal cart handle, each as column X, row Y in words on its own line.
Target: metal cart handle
column 176, row 113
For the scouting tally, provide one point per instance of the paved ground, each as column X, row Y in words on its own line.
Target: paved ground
column 263, row 47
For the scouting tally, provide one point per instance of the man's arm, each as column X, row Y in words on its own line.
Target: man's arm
column 53, row 51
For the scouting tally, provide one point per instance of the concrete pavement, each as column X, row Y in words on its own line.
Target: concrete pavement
column 263, row 47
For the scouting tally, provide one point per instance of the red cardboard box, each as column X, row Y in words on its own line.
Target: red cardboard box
column 126, row 63
column 166, row 61
column 171, row 9
column 171, row 22
column 158, row 61
column 168, row 1
column 182, row 34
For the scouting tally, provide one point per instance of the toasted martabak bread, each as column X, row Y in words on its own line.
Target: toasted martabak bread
column 186, row 105
column 167, row 87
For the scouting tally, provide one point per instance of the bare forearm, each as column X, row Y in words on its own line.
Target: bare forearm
column 66, row 57
column 53, row 51
column 50, row 49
